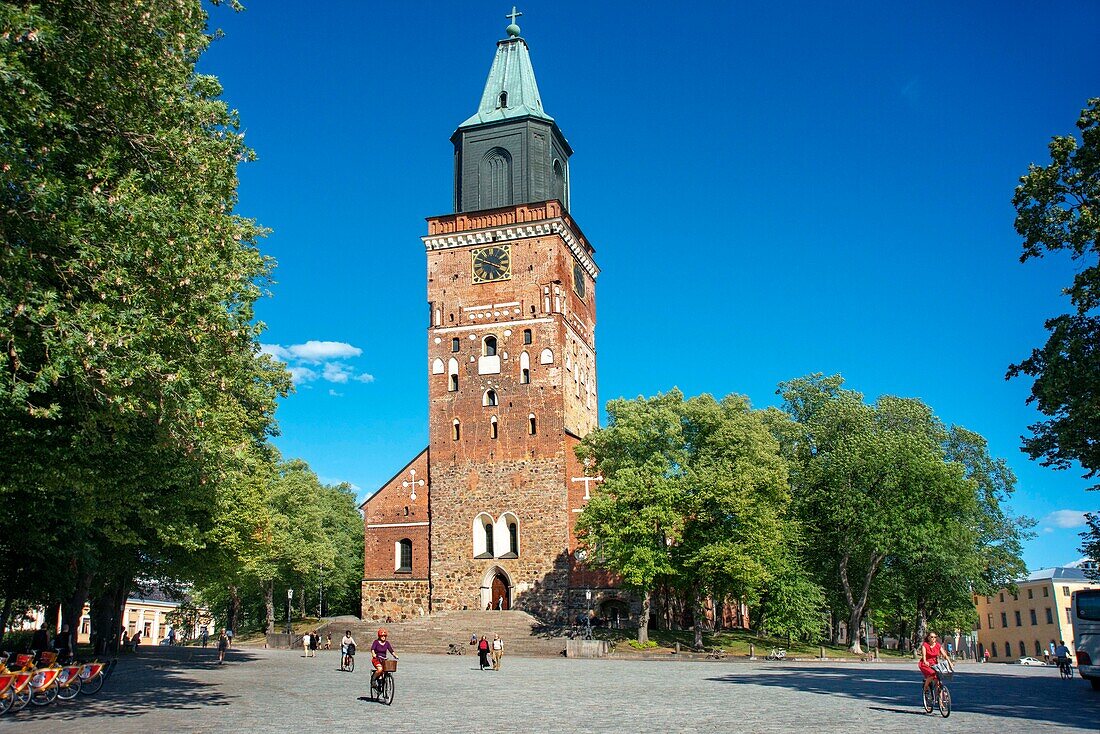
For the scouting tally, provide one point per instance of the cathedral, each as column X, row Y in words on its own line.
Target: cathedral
column 483, row 517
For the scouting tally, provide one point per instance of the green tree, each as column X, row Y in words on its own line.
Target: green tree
column 130, row 375
column 1058, row 209
column 634, row 519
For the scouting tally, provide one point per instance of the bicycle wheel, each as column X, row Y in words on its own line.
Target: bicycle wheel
column 5, row 702
column 945, row 702
column 351, row 664
column 387, row 689
column 91, row 687
column 20, row 700
column 929, row 699
column 69, row 692
column 45, row 696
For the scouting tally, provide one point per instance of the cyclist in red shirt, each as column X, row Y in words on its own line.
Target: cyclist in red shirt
column 379, row 649
column 930, row 652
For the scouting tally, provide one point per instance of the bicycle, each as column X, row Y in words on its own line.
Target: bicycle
column 1065, row 668
column 347, row 659
column 381, row 686
column 777, row 653
column 937, row 695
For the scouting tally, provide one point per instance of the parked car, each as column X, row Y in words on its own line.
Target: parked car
column 1029, row 661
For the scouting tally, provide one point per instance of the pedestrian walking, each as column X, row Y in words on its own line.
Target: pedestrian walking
column 328, row 640
column 204, row 635
column 498, row 651
column 223, row 645
column 314, row 642
column 229, row 634
column 305, row 644
column 483, row 652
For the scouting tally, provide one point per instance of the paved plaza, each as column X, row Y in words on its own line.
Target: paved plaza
column 183, row 690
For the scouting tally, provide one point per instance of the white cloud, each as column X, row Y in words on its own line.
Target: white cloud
column 298, row 375
column 1065, row 519
column 316, row 352
column 278, row 352
column 338, row 372
column 335, row 394
column 319, row 360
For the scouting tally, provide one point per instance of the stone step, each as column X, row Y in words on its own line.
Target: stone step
column 522, row 633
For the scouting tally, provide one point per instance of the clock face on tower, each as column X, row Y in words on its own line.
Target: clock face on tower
column 492, row 263
column 578, row 278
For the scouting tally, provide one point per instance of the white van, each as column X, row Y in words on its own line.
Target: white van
column 1086, row 634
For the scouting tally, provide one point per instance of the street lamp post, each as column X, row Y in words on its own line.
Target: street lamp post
column 321, row 592
column 289, row 598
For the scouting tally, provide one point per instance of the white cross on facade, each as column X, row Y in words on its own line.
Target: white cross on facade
column 412, row 482
column 587, row 481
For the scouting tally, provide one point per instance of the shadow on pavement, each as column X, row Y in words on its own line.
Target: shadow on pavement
column 148, row 680
column 1031, row 697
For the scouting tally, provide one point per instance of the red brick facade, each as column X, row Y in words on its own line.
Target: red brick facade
column 511, row 371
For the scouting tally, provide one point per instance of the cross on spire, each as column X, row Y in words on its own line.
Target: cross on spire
column 513, row 15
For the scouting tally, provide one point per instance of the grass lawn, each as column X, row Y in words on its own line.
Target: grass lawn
column 734, row 642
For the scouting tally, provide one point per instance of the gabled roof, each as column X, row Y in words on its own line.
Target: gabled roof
column 512, row 73
column 1059, row 573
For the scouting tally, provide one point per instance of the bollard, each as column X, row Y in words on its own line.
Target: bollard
column 677, row 648
column 822, row 652
column 752, row 651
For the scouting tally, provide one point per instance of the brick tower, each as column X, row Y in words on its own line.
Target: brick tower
column 484, row 515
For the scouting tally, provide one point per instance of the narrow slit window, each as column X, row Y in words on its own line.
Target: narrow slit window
column 456, row 430
column 454, row 344
column 452, row 383
column 513, row 538
column 526, row 336
column 490, row 399
column 489, row 538
column 532, row 426
column 493, row 427
column 504, row 99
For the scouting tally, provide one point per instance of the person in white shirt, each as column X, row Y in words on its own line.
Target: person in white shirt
column 498, row 651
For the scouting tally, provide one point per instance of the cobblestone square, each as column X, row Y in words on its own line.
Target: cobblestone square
column 184, row 690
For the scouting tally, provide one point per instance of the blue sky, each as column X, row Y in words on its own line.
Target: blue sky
column 772, row 190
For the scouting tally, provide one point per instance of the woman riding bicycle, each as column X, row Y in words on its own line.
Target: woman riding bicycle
column 379, row 650
column 347, row 648
column 930, row 653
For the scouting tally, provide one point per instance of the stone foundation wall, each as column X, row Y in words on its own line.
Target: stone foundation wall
column 394, row 600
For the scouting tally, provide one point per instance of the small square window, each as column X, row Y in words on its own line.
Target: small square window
column 1030, row 594
column 526, row 336
column 454, row 344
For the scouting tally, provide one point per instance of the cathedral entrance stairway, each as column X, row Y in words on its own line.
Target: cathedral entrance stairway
column 522, row 633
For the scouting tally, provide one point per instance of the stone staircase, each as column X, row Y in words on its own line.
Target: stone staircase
column 522, row 633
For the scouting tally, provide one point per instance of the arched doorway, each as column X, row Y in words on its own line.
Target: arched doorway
column 615, row 613
column 496, row 589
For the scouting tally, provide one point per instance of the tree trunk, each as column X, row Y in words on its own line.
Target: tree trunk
column 52, row 612
column 269, row 605
column 5, row 615
column 72, row 609
column 643, row 619
column 234, row 609
column 857, row 605
column 922, row 619
column 700, row 614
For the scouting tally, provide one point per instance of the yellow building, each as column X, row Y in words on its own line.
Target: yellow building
column 1032, row 620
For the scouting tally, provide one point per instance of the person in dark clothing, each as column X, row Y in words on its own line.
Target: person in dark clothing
column 63, row 643
column 40, row 640
column 483, row 652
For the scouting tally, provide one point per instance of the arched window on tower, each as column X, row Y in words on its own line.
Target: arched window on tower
column 507, row 536
column 532, row 426
column 437, row 366
column 490, row 398
column 493, row 427
column 503, row 99
column 546, row 357
column 483, row 536
column 452, row 375
column 557, row 187
column 403, row 556
column 524, row 368
column 456, row 430
column 489, row 346
column 495, row 179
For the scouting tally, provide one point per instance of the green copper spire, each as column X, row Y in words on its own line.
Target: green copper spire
column 510, row 90
column 511, row 152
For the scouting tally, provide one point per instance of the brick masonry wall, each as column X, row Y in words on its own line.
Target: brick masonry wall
column 388, row 517
column 394, row 600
